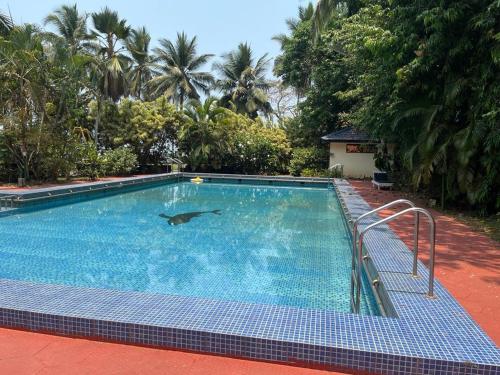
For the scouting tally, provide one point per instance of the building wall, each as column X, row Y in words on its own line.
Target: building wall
column 356, row 165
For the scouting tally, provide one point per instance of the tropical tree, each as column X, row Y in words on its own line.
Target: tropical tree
column 109, row 62
column 70, row 25
column 243, row 81
column 140, row 71
column 202, row 138
column 391, row 68
column 23, row 95
column 110, row 31
column 41, row 101
column 294, row 64
column 177, row 72
column 149, row 128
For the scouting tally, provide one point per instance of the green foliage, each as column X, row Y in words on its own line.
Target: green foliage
column 6, row 24
column 217, row 139
column 295, row 64
column 422, row 75
column 310, row 172
column 120, row 161
column 308, row 161
column 258, row 149
column 91, row 163
column 203, row 138
column 71, row 26
column 148, row 128
column 177, row 65
column 65, row 108
column 243, row 81
column 140, row 73
column 112, row 63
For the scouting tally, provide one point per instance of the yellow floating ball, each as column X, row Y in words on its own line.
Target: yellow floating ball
column 197, row 180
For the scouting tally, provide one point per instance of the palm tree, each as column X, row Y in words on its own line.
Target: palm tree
column 202, row 136
column 6, row 24
column 177, row 74
column 207, row 111
column 140, row 72
column 70, row 25
column 243, row 81
column 109, row 32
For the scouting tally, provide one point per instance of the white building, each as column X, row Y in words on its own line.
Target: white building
column 354, row 149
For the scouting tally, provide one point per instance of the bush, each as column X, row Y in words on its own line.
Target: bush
column 118, row 162
column 224, row 141
column 147, row 128
column 260, row 150
column 310, row 172
column 310, row 158
column 91, row 163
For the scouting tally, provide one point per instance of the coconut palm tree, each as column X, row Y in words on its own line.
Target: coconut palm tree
column 70, row 25
column 243, row 81
column 140, row 70
column 177, row 74
column 110, row 31
column 6, row 24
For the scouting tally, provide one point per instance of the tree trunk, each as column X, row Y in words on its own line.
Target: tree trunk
column 96, row 124
column 181, row 100
column 443, row 188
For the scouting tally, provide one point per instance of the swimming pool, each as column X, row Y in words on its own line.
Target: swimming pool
column 271, row 245
column 414, row 334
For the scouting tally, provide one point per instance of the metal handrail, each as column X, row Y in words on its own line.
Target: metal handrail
column 432, row 240
column 388, row 205
column 355, row 271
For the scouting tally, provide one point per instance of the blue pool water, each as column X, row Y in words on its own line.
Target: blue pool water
column 271, row 245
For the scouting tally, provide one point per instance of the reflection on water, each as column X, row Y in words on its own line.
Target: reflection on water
column 259, row 244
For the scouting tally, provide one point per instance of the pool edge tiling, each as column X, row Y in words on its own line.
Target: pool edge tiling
column 428, row 336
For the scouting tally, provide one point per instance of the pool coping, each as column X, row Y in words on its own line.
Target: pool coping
column 428, row 336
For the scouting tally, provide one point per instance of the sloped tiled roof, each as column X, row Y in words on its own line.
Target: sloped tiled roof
column 348, row 134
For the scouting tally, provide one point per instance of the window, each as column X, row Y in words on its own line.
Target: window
column 361, row 148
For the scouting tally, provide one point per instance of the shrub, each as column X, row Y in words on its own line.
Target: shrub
column 147, row 128
column 310, row 172
column 221, row 140
column 310, row 158
column 90, row 165
column 258, row 149
column 118, row 162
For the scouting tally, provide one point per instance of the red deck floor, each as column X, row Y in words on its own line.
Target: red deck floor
column 468, row 264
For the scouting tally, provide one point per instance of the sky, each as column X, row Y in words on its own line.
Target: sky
column 220, row 25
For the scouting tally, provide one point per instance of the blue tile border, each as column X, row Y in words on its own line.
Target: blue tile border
column 427, row 337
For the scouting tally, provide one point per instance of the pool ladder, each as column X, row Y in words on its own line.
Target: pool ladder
column 358, row 258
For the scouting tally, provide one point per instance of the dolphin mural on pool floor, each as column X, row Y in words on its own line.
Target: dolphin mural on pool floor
column 186, row 217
